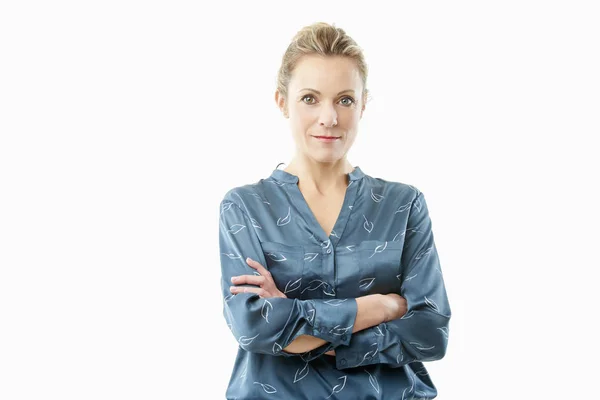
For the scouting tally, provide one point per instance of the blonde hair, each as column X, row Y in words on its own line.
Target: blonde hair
column 323, row 39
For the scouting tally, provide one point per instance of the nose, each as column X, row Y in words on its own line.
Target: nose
column 328, row 117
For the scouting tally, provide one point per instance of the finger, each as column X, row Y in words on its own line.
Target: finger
column 257, row 266
column 248, row 279
column 246, row 289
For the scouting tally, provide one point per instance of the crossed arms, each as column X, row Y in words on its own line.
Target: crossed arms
column 395, row 328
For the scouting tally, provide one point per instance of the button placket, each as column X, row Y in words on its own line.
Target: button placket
column 326, row 246
column 328, row 267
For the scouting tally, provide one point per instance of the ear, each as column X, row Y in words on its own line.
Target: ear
column 280, row 101
column 364, row 102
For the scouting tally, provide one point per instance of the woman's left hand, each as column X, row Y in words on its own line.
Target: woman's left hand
column 266, row 286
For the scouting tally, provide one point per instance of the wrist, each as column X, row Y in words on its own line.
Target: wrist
column 384, row 307
column 370, row 311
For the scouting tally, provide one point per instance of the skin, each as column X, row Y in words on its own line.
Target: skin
column 333, row 107
column 322, row 167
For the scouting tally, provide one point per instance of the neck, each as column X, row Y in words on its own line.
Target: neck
column 320, row 177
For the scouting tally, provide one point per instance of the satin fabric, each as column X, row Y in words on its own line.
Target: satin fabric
column 382, row 242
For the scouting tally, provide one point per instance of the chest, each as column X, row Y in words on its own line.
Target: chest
column 362, row 257
column 326, row 209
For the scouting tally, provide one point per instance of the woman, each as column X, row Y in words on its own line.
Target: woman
column 331, row 280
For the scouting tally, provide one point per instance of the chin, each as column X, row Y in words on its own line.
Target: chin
column 325, row 158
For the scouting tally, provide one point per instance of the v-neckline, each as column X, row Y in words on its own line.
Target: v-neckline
column 291, row 184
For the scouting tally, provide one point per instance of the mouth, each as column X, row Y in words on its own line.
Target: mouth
column 327, row 138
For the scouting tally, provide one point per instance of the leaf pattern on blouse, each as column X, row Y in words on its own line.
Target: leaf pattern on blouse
column 255, row 223
column 373, row 381
column 339, row 387
column 266, row 307
column 260, row 198
column 310, row 256
column 232, row 256
column 291, row 286
column 276, row 257
column 301, row 373
column 376, row 197
column 245, row 341
column 379, row 249
column 368, row 225
column 381, row 242
column 226, row 205
column 444, row 331
column 403, row 208
column 432, row 304
column 235, row 228
column 335, row 302
column 364, row 284
column 267, row 388
column 370, row 354
column 285, row 220
column 337, row 330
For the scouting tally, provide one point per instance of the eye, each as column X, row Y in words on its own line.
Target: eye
column 351, row 100
column 348, row 103
column 307, row 96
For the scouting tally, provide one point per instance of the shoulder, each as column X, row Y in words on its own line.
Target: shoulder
column 397, row 189
column 239, row 195
column 235, row 194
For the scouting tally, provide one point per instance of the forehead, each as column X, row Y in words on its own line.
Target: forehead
column 331, row 73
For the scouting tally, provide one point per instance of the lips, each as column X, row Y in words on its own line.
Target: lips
column 327, row 139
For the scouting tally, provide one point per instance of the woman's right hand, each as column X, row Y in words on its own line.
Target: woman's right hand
column 264, row 284
column 395, row 306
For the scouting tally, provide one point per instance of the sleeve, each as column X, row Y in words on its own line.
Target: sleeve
column 422, row 333
column 268, row 325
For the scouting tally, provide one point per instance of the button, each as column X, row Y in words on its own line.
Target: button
column 328, row 251
column 343, row 362
column 344, row 337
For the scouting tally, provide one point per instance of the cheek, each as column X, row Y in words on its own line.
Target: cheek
column 300, row 133
column 302, row 124
column 304, row 116
column 354, row 118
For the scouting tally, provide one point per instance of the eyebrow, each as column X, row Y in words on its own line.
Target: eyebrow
column 317, row 92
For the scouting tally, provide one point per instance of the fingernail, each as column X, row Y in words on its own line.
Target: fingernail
column 233, row 278
column 232, row 288
column 249, row 259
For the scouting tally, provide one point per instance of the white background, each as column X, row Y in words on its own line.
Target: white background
column 123, row 124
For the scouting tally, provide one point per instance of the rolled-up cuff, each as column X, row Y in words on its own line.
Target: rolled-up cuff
column 332, row 321
column 362, row 350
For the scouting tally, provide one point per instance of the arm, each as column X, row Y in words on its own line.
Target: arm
column 270, row 325
column 371, row 309
column 371, row 312
column 422, row 333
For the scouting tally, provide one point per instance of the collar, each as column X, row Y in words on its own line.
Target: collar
column 283, row 176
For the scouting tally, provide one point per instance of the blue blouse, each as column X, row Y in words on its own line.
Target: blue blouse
column 382, row 242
